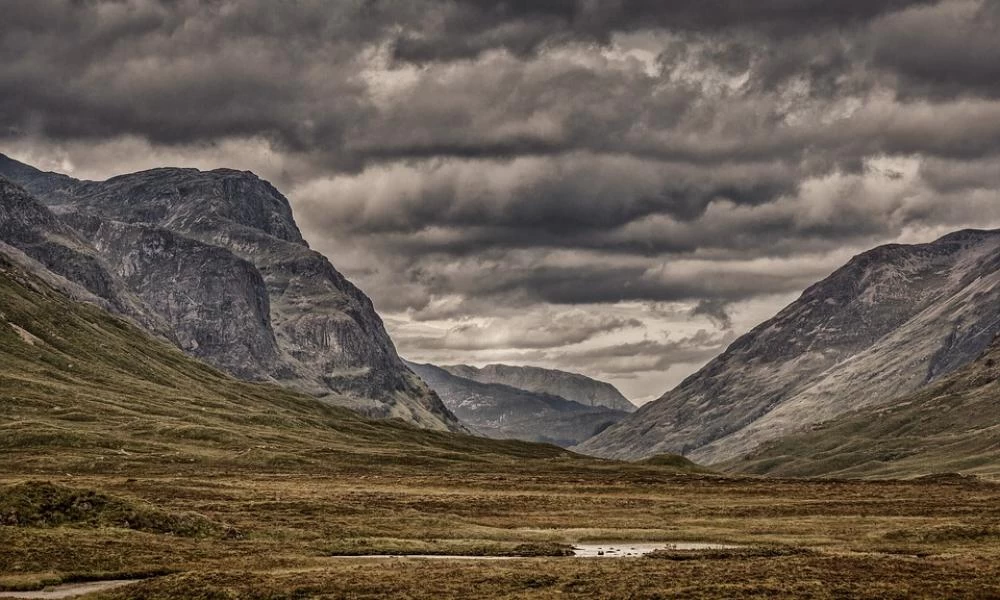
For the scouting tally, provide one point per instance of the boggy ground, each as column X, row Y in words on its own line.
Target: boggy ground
column 244, row 534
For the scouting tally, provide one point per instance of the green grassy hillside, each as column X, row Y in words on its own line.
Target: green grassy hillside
column 952, row 426
column 83, row 391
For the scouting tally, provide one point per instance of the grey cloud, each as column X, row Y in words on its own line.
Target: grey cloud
column 649, row 355
column 950, row 176
column 951, row 48
column 574, row 285
column 716, row 310
column 521, row 333
column 482, row 285
column 466, row 157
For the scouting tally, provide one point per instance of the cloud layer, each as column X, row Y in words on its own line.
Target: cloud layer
column 570, row 183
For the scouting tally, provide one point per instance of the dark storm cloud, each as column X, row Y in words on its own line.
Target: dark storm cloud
column 466, row 28
column 463, row 157
column 715, row 309
column 648, row 355
column 179, row 72
column 952, row 48
column 573, row 285
column 187, row 71
column 561, row 196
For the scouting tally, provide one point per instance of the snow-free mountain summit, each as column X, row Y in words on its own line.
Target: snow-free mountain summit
column 889, row 322
column 215, row 262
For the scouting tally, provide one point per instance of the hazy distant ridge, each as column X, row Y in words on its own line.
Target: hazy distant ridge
column 571, row 386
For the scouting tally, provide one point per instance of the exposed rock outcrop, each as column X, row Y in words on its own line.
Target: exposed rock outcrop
column 40, row 242
column 217, row 256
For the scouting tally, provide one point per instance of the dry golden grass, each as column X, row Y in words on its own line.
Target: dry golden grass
column 284, row 535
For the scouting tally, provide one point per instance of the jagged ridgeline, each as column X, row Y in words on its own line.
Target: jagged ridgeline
column 214, row 262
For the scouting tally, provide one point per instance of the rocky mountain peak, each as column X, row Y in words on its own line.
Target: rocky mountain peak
column 22, row 216
column 218, row 257
column 36, row 182
column 194, row 201
column 889, row 321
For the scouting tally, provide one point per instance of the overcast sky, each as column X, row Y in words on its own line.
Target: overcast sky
column 615, row 187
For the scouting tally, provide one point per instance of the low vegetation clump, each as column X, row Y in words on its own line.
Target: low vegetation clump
column 742, row 553
column 38, row 504
column 948, row 533
column 675, row 461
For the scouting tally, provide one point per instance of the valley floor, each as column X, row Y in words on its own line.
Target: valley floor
column 284, row 535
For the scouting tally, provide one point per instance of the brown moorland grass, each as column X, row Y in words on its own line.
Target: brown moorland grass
column 120, row 457
column 290, row 535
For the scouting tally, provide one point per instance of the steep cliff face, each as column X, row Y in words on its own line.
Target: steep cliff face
column 571, row 386
column 39, row 241
column 504, row 412
column 215, row 302
column 890, row 321
column 218, row 256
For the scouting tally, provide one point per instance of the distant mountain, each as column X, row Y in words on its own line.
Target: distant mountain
column 951, row 426
column 891, row 321
column 505, row 412
column 218, row 259
column 571, row 386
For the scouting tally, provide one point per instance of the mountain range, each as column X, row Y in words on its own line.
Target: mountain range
column 888, row 323
column 886, row 367
column 84, row 390
column 503, row 411
column 571, row 386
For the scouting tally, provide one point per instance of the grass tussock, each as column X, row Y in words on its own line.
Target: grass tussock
column 675, row 461
column 947, row 533
column 41, row 504
column 744, row 553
